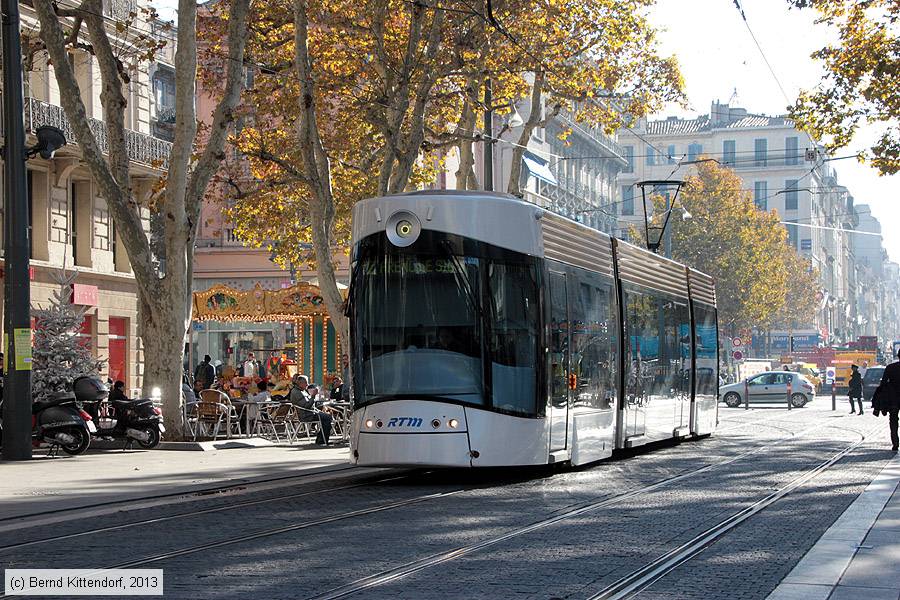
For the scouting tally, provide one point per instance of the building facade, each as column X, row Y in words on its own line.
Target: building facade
column 575, row 178
column 784, row 170
column 70, row 223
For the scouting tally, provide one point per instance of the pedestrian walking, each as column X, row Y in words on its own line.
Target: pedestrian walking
column 205, row 374
column 863, row 369
column 886, row 399
column 856, row 389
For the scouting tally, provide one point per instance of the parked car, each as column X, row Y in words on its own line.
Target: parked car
column 771, row 386
column 871, row 381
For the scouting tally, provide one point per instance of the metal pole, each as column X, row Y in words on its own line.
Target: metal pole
column 789, row 393
column 668, row 232
column 488, row 137
column 833, row 397
column 746, row 394
column 17, row 292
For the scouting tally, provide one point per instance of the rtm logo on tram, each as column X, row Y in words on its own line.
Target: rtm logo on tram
column 408, row 421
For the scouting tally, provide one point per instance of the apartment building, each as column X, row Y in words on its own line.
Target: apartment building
column 783, row 169
column 70, row 223
column 575, row 178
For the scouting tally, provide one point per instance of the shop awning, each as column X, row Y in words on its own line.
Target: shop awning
column 539, row 168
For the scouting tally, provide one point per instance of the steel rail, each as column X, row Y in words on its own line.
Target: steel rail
column 447, row 556
column 264, row 533
column 184, row 493
column 642, row 578
column 428, row 561
column 214, row 509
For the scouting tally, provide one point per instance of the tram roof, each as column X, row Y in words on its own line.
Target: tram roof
column 515, row 224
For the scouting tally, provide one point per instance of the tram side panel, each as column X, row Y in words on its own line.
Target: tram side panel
column 706, row 344
column 656, row 348
column 583, row 347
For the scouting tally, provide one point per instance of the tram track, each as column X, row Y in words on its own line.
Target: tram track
column 194, row 513
column 402, row 571
column 201, row 494
column 189, row 495
column 441, row 558
column 640, row 579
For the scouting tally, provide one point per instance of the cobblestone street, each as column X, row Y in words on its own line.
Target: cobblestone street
column 491, row 534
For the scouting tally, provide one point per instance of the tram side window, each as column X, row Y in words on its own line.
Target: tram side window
column 594, row 346
column 707, row 341
column 514, row 336
column 657, row 345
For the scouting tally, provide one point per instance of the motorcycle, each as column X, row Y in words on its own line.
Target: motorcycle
column 61, row 422
column 132, row 420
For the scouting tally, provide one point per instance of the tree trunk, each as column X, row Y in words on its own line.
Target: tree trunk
column 162, row 332
column 514, row 186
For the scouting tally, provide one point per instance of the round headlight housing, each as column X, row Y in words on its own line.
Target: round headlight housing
column 403, row 228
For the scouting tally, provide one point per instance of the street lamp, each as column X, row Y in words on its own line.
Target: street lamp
column 656, row 184
column 50, row 139
column 17, row 286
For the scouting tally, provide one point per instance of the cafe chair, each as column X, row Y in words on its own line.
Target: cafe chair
column 232, row 418
column 209, row 418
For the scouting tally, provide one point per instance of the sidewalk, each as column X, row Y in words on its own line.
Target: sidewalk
column 97, row 477
column 859, row 555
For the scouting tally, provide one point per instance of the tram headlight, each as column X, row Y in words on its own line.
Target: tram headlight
column 403, row 228
column 369, row 423
column 436, row 423
column 453, row 423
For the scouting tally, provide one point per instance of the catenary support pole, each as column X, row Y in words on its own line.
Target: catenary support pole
column 17, row 292
column 488, row 137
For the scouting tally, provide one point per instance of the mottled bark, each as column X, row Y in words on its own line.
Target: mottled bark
column 317, row 174
column 163, row 300
column 534, row 118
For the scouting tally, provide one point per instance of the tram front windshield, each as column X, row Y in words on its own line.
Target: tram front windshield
column 445, row 319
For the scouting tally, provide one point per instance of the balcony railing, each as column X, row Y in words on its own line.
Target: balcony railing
column 141, row 148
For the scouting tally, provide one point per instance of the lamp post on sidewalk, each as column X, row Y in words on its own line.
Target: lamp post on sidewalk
column 17, row 291
column 17, row 287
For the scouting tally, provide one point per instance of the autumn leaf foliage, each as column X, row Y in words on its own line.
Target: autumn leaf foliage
column 859, row 86
column 760, row 280
column 399, row 84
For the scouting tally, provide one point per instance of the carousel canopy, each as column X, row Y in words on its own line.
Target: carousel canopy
column 222, row 303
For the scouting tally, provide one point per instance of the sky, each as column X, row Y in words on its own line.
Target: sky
column 717, row 56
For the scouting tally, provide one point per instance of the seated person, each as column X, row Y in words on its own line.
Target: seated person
column 263, row 394
column 313, row 392
column 337, row 389
column 307, row 411
column 118, row 391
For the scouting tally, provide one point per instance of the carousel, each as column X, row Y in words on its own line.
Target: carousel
column 285, row 331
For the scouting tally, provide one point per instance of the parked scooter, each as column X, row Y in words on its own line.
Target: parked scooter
column 131, row 420
column 61, row 422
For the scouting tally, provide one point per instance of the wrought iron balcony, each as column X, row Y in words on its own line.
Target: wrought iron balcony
column 142, row 148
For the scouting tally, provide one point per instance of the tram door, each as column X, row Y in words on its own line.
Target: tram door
column 559, row 362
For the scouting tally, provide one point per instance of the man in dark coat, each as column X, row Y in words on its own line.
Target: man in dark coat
column 886, row 399
column 306, row 406
column 856, row 389
column 205, row 374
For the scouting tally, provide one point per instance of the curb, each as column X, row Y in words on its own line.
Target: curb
column 207, row 446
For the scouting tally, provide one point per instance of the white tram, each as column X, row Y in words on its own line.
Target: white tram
column 489, row 332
